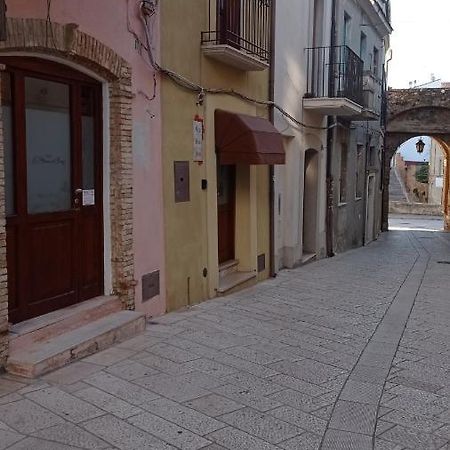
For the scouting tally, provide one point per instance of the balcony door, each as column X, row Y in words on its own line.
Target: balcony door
column 53, row 181
column 229, row 21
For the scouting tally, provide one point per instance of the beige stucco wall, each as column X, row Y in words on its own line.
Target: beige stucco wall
column 191, row 227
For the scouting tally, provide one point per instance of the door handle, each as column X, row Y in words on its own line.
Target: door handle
column 78, row 191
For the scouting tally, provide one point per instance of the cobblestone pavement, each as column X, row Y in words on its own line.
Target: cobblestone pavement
column 351, row 352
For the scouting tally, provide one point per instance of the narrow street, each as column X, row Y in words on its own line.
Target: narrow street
column 351, row 352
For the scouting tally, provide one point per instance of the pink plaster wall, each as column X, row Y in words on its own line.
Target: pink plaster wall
column 106, row 20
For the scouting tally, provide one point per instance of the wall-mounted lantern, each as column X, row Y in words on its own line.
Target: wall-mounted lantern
column 420, row 146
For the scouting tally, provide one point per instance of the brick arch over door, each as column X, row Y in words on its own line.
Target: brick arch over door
column 65, row 43
column 412, row 113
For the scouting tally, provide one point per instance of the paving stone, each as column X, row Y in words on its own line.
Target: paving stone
column 173, row 434
column 70, row 434
column 8, row 438
column 306, row 441
column 247, row 397
column 232, row 438
column 173, row 353
column 40, row 444
column 262, row 425
column 308, row 370
column 8, row 386
column 108, row 402
column 65, row 405
column 412, row 420
column 171, row 387
column 125, row 390
column 259, row 385
column 301, row 419
column 123, row 435
column 413, row 439
column 299, row 385
column 253, row 355
column 130, row 370
column 26, row 415
column 354, row 417
column 361, row 392
column 343, row 440
column 299, row 400
column 110, row 356
column 210, row 367
column 184, row 416
column 214, row 405
column 71, row 374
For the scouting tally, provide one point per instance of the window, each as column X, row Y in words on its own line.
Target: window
column 371, row 156
column 346, row 36
column 363, row 47
column 359, row 171
column 376, row 62
column 343, row 176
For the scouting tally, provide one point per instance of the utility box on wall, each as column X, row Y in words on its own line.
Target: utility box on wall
column 150, row 285
column 181, row 174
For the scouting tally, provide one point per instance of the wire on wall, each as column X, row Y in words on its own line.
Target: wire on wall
column 147, row 10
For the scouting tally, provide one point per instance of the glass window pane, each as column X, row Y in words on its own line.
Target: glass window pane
column 8, row 143
column 88, row 137
column 47, row 113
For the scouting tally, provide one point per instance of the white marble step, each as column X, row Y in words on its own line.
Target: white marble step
column 44, row 356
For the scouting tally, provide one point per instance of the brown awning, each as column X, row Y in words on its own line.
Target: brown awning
column 243, row 139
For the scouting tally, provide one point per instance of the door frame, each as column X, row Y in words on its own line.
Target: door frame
column 37, row 68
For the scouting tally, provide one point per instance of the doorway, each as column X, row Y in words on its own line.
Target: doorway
column 310, row 194
column 53, row 186
column 370, row 209
column 226, row 206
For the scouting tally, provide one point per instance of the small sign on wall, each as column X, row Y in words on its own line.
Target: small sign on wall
column 198, row 139
column 88, row 197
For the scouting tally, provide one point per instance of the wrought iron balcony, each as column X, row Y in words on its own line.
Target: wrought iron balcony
column 335, row 81
column 239, row 33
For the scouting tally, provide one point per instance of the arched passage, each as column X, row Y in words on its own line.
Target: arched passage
column 413, row 112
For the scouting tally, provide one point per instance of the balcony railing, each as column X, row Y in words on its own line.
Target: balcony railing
column 335, row 72
column 242, row 24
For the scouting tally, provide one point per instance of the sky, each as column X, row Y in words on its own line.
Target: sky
column 419, row 41
column 409, row 152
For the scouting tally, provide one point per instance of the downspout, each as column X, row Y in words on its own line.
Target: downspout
column 272, row 119
column 366, row 174
column 331, row 124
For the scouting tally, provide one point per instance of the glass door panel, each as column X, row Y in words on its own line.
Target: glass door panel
column 48, row 146
column 6, row 105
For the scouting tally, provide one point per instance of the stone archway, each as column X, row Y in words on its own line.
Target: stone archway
column 67, row 45
column 411, row 113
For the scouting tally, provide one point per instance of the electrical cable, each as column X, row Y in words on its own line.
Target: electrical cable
column 146, row 11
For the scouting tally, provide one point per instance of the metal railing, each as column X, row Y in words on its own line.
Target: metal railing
column 335, row 72
column 243, row 24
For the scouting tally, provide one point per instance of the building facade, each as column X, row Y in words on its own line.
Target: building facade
column 329, row 76
column 436, row 174
column 217, row 59
column 81, row 198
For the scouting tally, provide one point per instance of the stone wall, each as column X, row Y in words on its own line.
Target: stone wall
column 30, row 37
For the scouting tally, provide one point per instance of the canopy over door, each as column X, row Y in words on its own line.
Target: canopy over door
column 244, row 139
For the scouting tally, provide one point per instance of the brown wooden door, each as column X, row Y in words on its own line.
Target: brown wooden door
column 226, row 192
column 53, row 177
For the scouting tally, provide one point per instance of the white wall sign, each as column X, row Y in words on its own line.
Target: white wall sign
column 439, row 182
column 88, row 197
column 198, row 139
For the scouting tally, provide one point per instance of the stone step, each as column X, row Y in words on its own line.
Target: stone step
column 228, row 267
column 235, row 280
column 44, row 356
column 55, row 323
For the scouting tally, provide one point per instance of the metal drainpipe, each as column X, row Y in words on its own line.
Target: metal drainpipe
column 331, row 120
column 272, row 119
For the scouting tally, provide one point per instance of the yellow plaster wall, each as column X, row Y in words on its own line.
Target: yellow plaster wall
column 191, row 227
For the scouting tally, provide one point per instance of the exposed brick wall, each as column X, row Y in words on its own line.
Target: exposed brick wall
column 34, row 36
